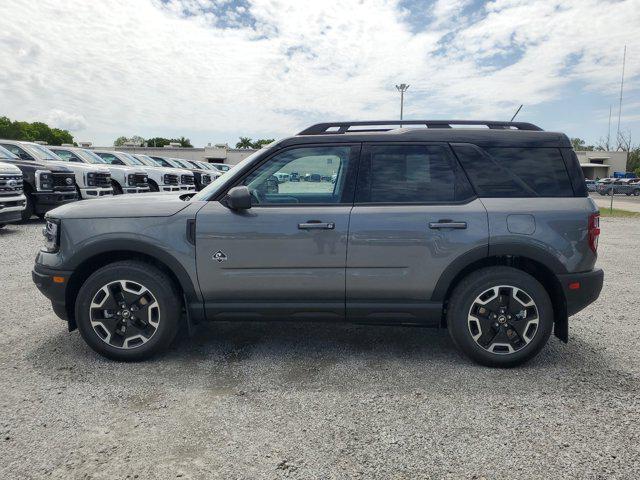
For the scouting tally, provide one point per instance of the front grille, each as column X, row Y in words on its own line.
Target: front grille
column 187, row 179
column 138, row 180
column 10, row 185
column 103, row 180
column 170, row 179
column 64, row 182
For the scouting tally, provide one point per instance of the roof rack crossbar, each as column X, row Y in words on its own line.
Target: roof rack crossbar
column 344, row 127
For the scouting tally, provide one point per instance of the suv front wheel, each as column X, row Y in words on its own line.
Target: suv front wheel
column 128, row 311
column 500, row 316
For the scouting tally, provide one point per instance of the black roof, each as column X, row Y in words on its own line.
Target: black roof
column 494, row 133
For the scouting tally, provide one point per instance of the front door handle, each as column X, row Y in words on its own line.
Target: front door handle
column 447, row 224
column 316, row 225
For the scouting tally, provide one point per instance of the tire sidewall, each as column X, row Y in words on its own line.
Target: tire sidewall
column 476, row 284
column 152, row 279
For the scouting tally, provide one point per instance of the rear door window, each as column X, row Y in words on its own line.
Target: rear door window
column 514, row 171
column 419, row 174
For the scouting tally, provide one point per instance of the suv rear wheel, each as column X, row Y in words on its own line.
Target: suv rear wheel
column 500, row 316
column 128, row 311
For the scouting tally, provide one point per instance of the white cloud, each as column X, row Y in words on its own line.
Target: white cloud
column 125, row 67
column 65, row 120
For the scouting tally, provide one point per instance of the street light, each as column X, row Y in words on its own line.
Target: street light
column 402, row 88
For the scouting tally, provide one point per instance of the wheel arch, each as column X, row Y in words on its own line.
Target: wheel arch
column 541, row 265
column 100, row 257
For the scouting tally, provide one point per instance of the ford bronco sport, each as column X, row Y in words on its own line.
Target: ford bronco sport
column 487, row 232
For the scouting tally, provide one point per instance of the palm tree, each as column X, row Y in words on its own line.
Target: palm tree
column 245, row 142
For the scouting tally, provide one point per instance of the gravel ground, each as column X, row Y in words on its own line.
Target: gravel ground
column 320, row 401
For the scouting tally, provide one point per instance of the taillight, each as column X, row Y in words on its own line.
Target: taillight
column 594, row 231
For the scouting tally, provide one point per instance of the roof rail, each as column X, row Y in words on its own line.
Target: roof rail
column 344, row 127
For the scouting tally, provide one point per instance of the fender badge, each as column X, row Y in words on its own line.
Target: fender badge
column 219, row 256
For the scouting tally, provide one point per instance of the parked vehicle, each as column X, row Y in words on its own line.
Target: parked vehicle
column 591, row 185
column 186, row 177
column 447, row 227
column 211, row 170
column 282, row 177
column 159, row 179
column 626, row 186
column 92, row 181
column 221, row 167
column 12, row 199
column 124, row 179
column 46, row 185
column 198, row 177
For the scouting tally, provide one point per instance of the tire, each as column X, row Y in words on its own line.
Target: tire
column 162, row 311
column 153, row 186
column 27, row 213
column 499, row 351
column 117, row 189
column 636, row 193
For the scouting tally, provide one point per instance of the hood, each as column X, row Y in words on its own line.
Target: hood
column 8, row 168
column 123, row 206
column 83, row 167
column 125, row 168
column 161, row 170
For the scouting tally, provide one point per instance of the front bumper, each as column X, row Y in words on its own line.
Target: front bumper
column 53, row 285
column 11, row 208
column 95, row 192
column 188, row 188
column 169, row 188
column 581, row 289
column 135, row 189
column 45, row 201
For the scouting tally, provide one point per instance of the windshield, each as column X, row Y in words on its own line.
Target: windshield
column 146, row 160
column 131, row 159
column 222, row 180
column 181, row 163
column 4, row 153
column 43, row 152
column 221, row 166
column 91, row 157
column 161, row 162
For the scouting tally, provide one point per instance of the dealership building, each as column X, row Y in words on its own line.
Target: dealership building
column 220, row 153
column 600, row 164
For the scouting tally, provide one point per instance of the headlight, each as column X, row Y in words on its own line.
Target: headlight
column 44, row 180
column 90, row 179
column 51, row 232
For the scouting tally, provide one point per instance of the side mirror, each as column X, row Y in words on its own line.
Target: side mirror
column 239, row 198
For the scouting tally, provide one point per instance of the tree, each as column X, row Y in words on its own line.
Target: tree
column 258, row 144
column 36, row 131
column 580, row 144
column 120, row 141
column 245, row 142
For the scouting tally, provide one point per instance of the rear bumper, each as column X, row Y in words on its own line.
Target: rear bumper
column 43, row 202
column 581, row 289
column 53, row 289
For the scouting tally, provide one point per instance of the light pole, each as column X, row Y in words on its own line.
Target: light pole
column 402, row 88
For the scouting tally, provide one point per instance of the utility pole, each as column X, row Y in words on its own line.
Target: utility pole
column 624, row 58
column 402, row 88
column 609, row 131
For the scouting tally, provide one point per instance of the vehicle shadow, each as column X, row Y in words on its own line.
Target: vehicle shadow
column 227, row 358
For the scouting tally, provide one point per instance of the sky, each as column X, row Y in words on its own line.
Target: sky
column 214, row 70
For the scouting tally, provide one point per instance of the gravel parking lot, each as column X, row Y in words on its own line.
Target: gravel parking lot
column 251, row 400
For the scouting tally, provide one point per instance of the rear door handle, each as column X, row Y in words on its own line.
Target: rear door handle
column 316, row 225
column 447, row 224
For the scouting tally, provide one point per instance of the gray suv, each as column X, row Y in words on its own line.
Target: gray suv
column 488, row 232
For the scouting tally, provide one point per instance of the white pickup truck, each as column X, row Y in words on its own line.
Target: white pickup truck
column 160, row 179
column 124, row 179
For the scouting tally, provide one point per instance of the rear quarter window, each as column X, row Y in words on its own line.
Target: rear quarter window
column 515, row 171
